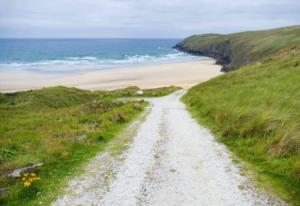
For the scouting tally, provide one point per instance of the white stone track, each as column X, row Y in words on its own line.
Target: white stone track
column 171, row 161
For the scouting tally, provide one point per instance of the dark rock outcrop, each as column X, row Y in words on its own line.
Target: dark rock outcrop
column 219, row 51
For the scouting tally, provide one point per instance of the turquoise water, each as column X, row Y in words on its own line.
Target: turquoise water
column 76, row 55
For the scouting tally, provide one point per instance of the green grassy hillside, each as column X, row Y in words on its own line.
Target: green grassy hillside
column 255, row 111
column 61, row 128
column 238, row 49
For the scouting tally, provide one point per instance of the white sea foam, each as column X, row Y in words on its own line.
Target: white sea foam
column 87, row 63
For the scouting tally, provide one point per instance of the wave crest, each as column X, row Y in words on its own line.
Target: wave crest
column 86, row 63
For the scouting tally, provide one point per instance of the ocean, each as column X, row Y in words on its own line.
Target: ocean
column 79, row 55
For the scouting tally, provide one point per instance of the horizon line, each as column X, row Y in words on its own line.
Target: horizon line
column 175, row 38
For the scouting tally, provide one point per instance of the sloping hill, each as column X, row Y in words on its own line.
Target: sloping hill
column 255, row 112
column 238, row 49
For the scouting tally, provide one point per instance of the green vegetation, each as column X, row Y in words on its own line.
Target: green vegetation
column 255, row 112
column 133, row 91
column 238, row 49
column 61, row 128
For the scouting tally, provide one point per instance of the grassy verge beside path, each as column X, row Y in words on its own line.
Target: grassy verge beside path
column 255, row 112
column 62, row 128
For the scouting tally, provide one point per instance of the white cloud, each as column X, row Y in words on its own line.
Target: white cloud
column 141, row 18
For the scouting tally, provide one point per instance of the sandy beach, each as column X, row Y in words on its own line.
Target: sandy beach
column 184, row 74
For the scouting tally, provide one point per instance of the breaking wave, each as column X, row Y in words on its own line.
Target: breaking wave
column 87, row 63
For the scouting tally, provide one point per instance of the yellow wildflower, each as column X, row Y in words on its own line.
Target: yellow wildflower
column 28, row 178
column 27, row 184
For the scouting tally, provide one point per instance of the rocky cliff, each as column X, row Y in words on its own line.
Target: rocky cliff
column 238, row 49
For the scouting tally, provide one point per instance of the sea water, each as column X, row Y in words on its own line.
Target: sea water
column 79, row 55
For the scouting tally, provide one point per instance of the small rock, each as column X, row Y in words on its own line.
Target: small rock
column 95, row 126
column 139, row 92
column 172, row 170
column 79, row 137
column 119, row 117
column 241, row 187
column 3, row 191
column 137, row 106
column 17, row 172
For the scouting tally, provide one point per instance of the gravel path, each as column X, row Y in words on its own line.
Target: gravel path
column 171, row 161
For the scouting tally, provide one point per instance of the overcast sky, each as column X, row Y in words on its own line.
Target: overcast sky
column 141, row 18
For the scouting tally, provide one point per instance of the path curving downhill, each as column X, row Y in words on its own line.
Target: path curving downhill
column 172, row 161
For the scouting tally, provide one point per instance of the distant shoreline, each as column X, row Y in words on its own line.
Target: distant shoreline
column 184, row 74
